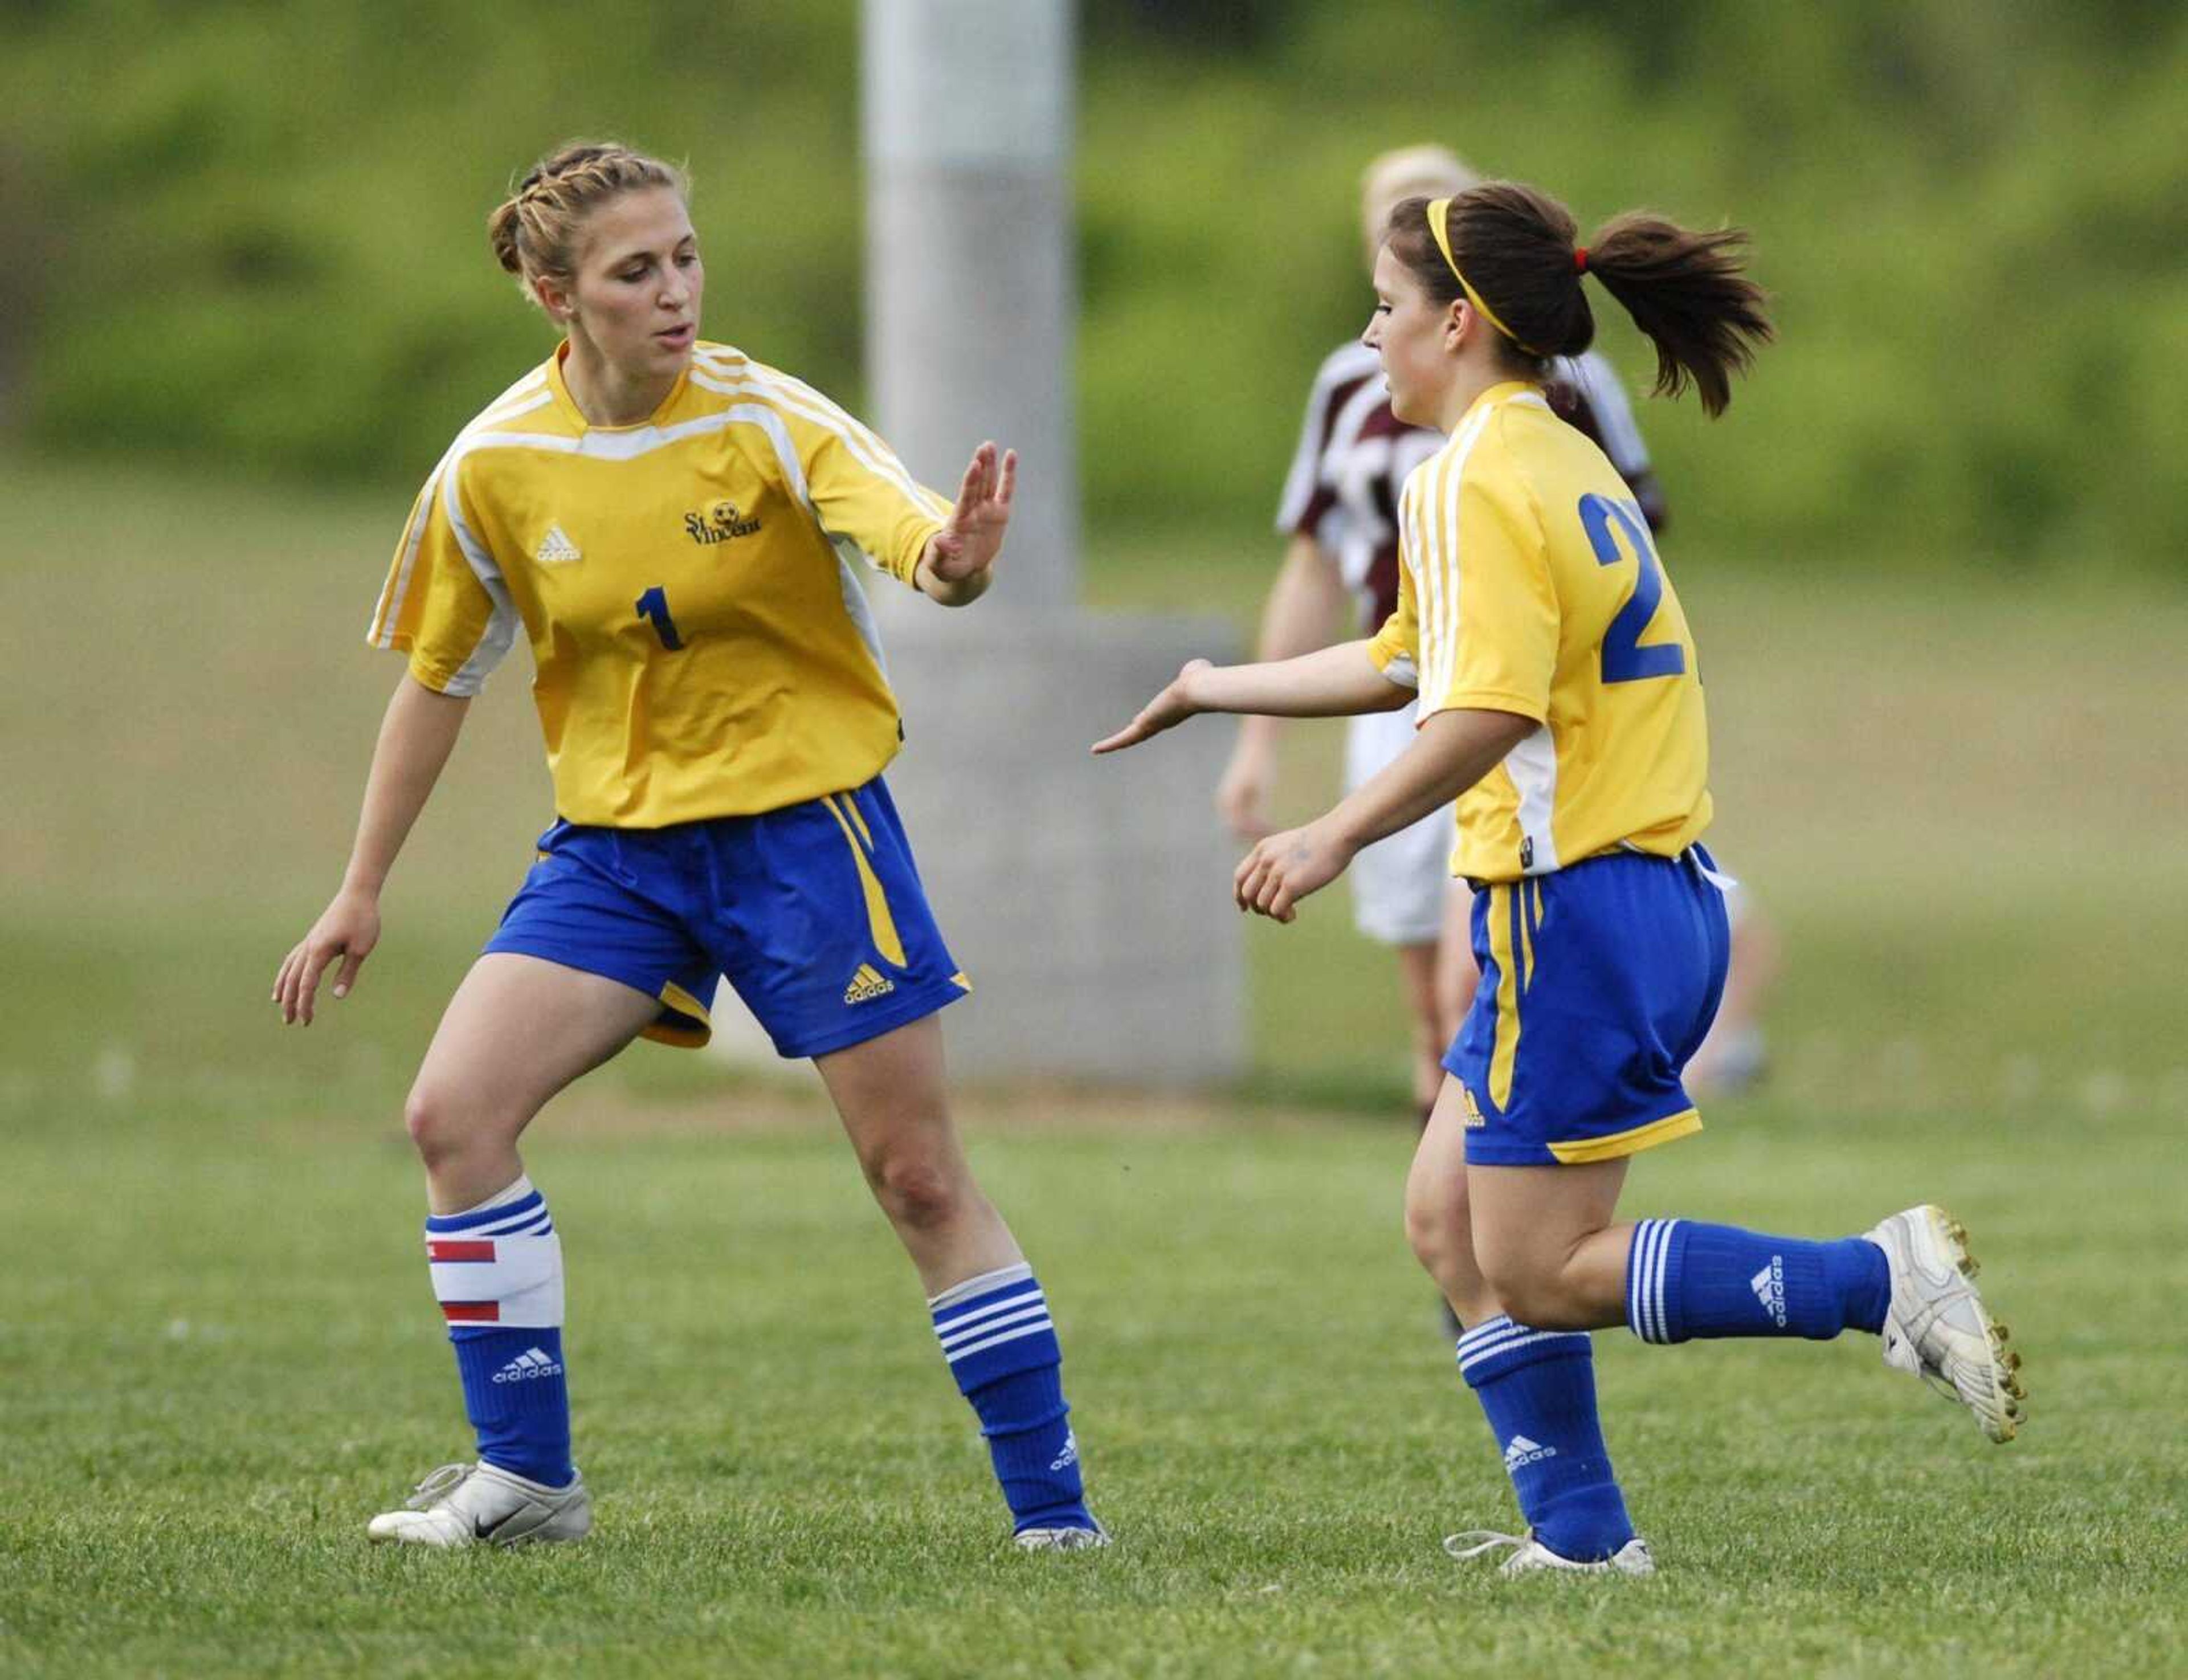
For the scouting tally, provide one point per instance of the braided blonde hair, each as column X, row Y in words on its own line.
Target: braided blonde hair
column 535, row 230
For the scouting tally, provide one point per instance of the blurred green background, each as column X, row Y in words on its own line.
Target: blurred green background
column 250, row 236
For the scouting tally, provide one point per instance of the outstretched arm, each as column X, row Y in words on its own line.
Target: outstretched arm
column 416, row 736
column 1450, row 752
column 1305, row 606
column 1331, row 682
column 956, row 566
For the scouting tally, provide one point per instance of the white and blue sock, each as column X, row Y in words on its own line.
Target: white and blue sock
column 1000, row 1343
column 1538, row 1389
column 1686, row 1281
column 498, row 1274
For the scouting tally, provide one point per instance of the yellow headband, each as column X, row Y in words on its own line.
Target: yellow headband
column 1436, row 213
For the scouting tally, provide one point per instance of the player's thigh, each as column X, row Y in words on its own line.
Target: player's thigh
column 518, row 1029
column 890, row 1093
column 1528, row 1220
column 1457, row 971
column 1437, row 1214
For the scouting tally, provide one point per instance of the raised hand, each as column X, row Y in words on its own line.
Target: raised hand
column 959, row 555
column 1167, row 710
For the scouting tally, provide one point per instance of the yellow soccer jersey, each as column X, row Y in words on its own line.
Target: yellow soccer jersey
column 1530, row 585
column 701, row 645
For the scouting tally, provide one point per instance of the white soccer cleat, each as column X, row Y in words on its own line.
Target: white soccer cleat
column 1061, row 1539
column 1529, row 1554
column 1936, row 1326
column 484, row 1505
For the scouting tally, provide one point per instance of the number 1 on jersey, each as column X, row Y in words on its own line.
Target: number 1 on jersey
column 653, row 607
column 1624, row 659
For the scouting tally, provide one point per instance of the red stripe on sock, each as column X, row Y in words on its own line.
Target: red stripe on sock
column 459, row 1251
column 472, row 1312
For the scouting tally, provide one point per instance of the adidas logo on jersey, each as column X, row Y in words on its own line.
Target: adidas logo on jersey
column 1769, row 1287
column 556, row 548
column 867, row 984
column 1524, row 1452
column 1474, row 1115
column 527, row 1367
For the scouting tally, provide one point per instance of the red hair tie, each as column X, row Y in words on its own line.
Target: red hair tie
column 1580, row 259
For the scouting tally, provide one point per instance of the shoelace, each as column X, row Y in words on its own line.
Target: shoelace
column 445, row 1480
column 1482, row 1539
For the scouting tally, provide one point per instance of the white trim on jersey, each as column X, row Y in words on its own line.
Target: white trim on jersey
column 513, row 402
column 885, row 466
column 856, row 607
column 1439, row 580
column 749, row 379
column 501, row 634
column 381, row 632
column 1413, row 554
column 937, row 505
column 1533, row 767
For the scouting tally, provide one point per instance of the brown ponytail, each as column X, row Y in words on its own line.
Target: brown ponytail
column 535, row 230
column 1518, row 248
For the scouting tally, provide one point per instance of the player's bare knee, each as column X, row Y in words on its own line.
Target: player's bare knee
column 1531, row 1289
column 918, row 1192
column 442, row 1129
column 1437, row 1232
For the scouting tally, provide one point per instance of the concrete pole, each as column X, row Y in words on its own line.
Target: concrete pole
column 1089, row 900
column 971, row 299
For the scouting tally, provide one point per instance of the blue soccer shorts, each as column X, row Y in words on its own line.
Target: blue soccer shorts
column 813, row 913
column 1599, row 981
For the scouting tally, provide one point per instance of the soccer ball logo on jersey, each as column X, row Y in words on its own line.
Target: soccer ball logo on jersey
column 719, row 522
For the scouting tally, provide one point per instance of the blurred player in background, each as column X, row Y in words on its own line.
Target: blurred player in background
column 1563, row 708
column 672, row 526
column 1736, row 1055
column 1339, row 578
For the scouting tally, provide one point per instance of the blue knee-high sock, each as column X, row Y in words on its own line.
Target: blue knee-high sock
column 1000, row 1343
column 1538, row 1389
column 1686, row 1281
column 497, row 1272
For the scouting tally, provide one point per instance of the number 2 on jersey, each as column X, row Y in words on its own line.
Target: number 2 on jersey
column 653, row 607
column 1624, row 659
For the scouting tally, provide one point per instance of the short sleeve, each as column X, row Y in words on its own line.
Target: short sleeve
column 1395, row 648
column 1489, row 610
column 444, row 603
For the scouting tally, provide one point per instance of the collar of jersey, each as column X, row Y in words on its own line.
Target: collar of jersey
column 1503, row 392
column 576, row 416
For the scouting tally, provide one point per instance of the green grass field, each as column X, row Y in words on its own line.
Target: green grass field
column 1961, row 803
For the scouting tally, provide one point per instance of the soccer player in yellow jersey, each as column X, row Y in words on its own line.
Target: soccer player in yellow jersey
column 674, row 528
column 1561, row 700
